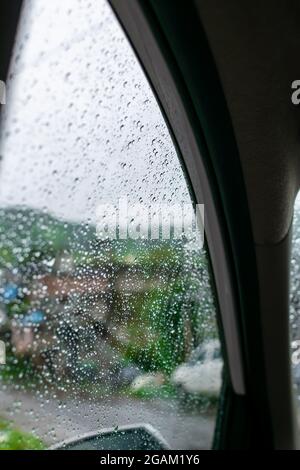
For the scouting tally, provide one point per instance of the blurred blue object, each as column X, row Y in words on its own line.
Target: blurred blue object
column 10, row 292
column 35, row 317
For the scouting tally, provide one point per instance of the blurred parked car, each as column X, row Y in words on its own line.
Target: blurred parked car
column 202, row 372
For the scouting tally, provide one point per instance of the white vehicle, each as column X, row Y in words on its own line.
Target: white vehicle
column 202, row 373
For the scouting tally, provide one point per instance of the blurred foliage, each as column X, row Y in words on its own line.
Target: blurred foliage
column 163, row 322
column 166, row 391
column 14, row 439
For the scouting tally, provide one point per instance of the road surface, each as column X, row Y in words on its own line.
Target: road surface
column 54, row 420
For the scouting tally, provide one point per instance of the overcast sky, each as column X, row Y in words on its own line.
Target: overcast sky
column 81, row 125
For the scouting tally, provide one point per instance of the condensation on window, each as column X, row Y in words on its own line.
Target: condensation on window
column 295, row 302
column 109, row 330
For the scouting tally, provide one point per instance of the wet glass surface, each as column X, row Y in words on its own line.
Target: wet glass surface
column 102, row 327
column 295, row 303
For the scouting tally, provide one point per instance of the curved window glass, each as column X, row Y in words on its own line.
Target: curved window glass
column 107, row 315
column 295, row 301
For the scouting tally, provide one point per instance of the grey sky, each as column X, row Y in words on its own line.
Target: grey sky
column 81, row 125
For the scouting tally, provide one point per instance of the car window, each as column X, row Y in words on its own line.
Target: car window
column 105, row 288
column 295, row 302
